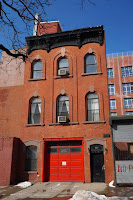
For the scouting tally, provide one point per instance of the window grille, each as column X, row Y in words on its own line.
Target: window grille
column 31, row 158
column 110, row 73
column 112, row 104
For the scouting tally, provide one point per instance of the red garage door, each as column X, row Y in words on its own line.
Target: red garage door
column 65, row 161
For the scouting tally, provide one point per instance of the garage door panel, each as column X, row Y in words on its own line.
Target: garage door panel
column 64, row 156
column 76, row 177
column 76, row 171
column 64, row 170
column 64, row 163
column 54, row 163
column 76, row 163
column 76, row 156
column 54, row 156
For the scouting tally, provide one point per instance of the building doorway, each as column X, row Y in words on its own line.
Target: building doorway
column 97, row 163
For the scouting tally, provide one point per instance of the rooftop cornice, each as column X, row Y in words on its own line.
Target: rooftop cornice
column 78, row 37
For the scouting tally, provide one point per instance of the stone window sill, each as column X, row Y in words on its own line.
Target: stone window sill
column 94, row 122
column 30, row 125
column 88, row 74
column 59, row 124
column 67, row 76
column 36, row 79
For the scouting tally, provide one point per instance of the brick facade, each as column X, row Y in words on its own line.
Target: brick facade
column 15, row 106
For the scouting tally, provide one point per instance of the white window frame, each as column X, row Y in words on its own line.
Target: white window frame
column 128, row 102
column 128, row 88
column 126, row 69
column 111, row 102
column 111, row 89
column 110, row 72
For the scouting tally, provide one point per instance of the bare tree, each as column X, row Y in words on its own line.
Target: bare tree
column 16, row 22
column 16, row 19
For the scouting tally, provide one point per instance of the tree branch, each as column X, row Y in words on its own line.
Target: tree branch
column 13, row 54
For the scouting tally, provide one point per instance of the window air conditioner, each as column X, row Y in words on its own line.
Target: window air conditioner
column 62, row 119
column 62, row 72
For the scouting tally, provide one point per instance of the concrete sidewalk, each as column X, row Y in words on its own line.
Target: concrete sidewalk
column 50, row 190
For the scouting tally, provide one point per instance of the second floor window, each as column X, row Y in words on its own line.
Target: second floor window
column 128, row 103
column 92, row 107
column 90, row 63
column 112, row 104
column 127, row 71
column 35, row 111
column 127, row 88
column 63, row 106
column 37, row 70
column 111, row 89
column 110, row 73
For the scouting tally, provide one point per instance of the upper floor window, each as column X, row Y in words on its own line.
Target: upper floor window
column 112, row 104
column 63, row 106
column 110, row 73
column 113, row 113
column 90, row 63
column 127, row 71
column 63, row 68
column 111, row 89
column 128, row 103
column 92, row 107
column 127, row 88
column 35, row 111
column 31, row 158
column 37, row 69
column 129, row 113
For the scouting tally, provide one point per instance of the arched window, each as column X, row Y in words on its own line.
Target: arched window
column 31, row 158
column 63, row 106
column 63, row 68
column 35, row 111
column 90, row 63
column 37, row 69
column 92, row 107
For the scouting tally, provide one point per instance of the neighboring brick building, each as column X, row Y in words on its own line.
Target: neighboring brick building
column 61, row 112
column 120, row 83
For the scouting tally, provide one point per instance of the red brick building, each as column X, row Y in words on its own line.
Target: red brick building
column 58, row 111
column 120, row 83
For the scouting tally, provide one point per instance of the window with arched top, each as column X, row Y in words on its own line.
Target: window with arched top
column 31, row 158
column 37, row 69
column 35, row 111
column 63, row 66
column 63, row 106
column 92, row 107
column 90, row 63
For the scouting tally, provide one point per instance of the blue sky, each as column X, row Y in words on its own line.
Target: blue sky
column 115, row 15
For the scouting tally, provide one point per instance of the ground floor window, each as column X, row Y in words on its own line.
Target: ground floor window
column 31, row 158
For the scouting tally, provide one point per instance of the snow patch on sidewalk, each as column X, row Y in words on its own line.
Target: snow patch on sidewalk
column 111, row 184
column 24, row 184
column 87, row 195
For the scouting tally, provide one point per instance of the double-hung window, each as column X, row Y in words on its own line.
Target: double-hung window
column 90, row 63
column 35, row 110
column 37, row 69
column 110, row 73
column 127, row 88
column 111, row 89
column 63, row 106
column 128, row 103
column 112, row 104
column 93, row 107
column 63, row 65
column 127, row 71
column 31, row 158
column 129, row 113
